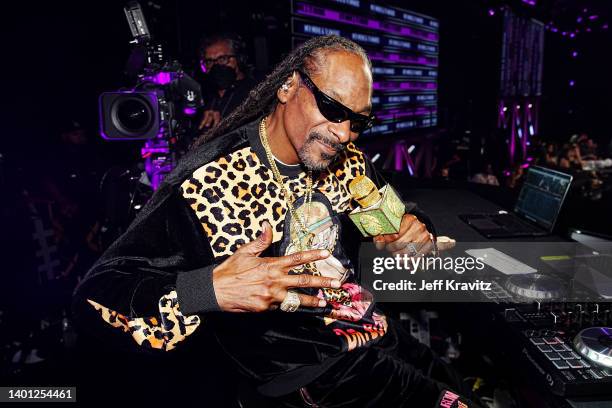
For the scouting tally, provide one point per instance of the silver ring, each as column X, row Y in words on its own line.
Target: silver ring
column 412, row 249
column 291, row 302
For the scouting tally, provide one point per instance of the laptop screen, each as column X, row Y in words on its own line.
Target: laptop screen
column 542, row 195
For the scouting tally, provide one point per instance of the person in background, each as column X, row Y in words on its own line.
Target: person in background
column 70, row 183
column 516, row 177
column 569, row 157
column 486, row 176
column 550, row 155
column 455, row 167
column 588, row 149
column 223, row 58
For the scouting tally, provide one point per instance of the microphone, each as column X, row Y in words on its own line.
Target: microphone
column 379, row 212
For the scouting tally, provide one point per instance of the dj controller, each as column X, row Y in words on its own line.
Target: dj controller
column 567, row 346
column 569, row 359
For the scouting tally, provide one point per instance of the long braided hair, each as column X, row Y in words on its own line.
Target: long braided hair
column 262, row 100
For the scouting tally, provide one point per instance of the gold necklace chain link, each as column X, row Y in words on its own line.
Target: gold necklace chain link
column 289, row 198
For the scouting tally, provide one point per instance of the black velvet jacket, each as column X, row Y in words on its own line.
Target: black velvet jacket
column 155, row 284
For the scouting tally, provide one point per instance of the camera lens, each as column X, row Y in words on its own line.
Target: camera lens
column 132, row 115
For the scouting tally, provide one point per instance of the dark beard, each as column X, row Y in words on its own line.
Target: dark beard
column 318, row 163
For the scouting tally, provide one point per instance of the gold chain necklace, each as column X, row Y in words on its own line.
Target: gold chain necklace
column 289, row 198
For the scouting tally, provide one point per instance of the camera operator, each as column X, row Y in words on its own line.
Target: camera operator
column 223, row 56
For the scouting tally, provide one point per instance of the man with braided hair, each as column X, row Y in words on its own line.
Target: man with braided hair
column 254, row 219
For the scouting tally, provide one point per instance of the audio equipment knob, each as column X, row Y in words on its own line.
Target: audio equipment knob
column 595, row 344
column 535, row 286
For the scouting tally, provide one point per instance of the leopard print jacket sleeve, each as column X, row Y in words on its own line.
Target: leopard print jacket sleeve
column 163, row 332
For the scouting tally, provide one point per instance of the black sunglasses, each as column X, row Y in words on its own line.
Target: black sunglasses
column 336, row 112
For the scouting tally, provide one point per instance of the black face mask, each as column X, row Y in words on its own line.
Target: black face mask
column 222, row 76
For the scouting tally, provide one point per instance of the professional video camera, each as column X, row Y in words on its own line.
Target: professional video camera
column 158, row 109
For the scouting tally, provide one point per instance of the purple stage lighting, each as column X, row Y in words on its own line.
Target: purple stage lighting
column 403, row 58
column 396, row 86
column 369, row 23
column 162, row 78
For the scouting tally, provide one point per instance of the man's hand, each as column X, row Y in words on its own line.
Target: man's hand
column 413, row 239
column 211, row 119
column 443, row 242
column 246, row 282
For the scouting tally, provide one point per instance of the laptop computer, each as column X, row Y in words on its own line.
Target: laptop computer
column 535, row 212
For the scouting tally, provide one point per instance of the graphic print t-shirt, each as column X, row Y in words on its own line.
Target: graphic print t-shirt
column 231, row 197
